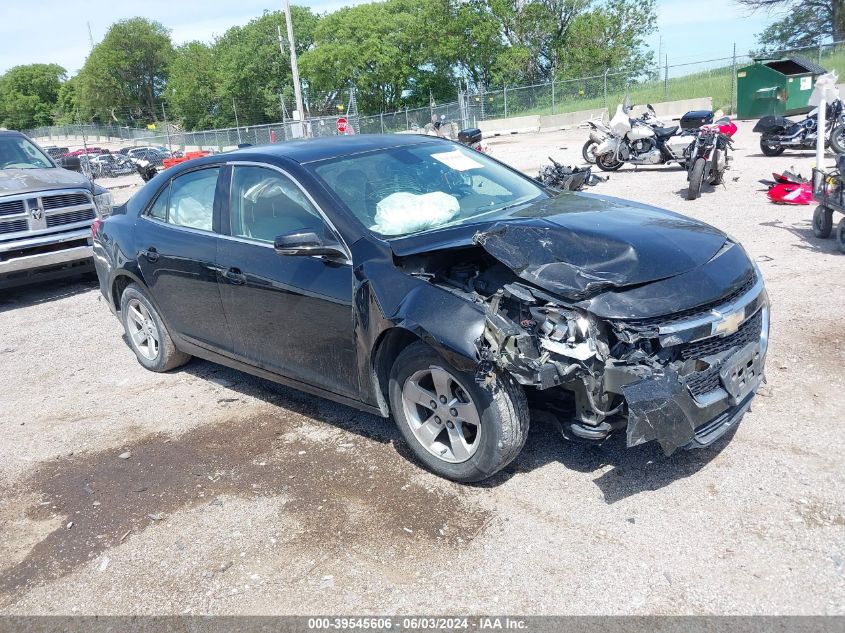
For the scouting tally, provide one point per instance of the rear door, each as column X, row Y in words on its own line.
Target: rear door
column 178, row 240
column 289, row 315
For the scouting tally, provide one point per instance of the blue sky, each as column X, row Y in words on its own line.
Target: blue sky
column 57, row 32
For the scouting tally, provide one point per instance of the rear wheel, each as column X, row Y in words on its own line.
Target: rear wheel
column 696, row 177
column 837, row 139
column 589, row 152
column 608, row 162
column 822, row 222
column 147, row 334
column 840, row 235
column 770, row 148
column 457, row 428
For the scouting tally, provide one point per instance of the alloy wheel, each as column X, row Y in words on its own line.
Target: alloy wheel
column 143, row 330
column 441, row 415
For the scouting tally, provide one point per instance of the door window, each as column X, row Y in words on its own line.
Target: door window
column 266, row 203
column 188, row 200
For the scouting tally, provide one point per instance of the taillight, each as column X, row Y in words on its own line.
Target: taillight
column 95, row 226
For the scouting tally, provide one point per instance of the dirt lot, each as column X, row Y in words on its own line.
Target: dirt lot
column 240, row 496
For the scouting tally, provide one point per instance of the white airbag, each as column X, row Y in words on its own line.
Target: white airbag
column 403, row 212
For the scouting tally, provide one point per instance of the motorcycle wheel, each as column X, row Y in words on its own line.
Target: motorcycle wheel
column 837, row 139
column 607, row 162
column 840, row 235
column 769, row 149
column 715, row 175
column 696, row 177
column 589, row 152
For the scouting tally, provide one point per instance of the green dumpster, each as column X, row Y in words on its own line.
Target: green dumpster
column 779, row 86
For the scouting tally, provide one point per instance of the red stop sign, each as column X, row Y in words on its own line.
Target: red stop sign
column 342, row 125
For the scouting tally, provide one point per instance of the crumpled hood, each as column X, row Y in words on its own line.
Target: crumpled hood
column 15, row 181
column 578, row 245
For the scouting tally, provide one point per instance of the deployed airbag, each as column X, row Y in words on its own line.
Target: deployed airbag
column 403, row 212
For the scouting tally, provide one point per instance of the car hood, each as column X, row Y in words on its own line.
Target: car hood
column 16, row 181
column 578, row 245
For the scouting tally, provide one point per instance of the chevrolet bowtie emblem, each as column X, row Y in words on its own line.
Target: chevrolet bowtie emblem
column 730, row 323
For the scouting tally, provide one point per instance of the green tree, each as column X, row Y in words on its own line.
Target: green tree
column 192, row 89
column 28, row 95
column 804, row 23
column 125, row 74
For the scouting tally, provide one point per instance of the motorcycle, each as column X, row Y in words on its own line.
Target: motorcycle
column 779, row 133
column 708, row 155
column 642, row 141
column 564, row 178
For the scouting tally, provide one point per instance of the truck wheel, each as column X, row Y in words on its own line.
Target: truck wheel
column 696, row 177
column 840, row 235
column 822, row 222
column 147, row 334
column 770, row 149
column 589, row 152
column 457, row 428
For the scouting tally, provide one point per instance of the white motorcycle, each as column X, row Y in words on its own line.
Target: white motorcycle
column 642, row 141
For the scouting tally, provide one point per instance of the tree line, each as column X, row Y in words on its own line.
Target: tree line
column 396, row 53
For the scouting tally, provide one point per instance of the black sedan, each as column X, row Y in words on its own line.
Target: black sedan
column 411, row 276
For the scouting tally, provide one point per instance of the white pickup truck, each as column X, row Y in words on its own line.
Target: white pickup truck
column 46, row 214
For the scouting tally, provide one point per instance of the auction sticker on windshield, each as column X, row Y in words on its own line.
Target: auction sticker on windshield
column 457, row 160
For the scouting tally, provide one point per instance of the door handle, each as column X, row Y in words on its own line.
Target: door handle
column 151, row 254
column 235, row 276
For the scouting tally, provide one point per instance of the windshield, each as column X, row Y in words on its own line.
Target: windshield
column 16, row 152
column 404, row 190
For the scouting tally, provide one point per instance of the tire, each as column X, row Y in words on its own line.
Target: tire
column 716, row 175
column 607, row 162
column 485, row 447
column 837, row 139
column 822, row 222
column 696, row 176
column 589, row 152
column 770, row 150
column 840, row 235
column 148, row 336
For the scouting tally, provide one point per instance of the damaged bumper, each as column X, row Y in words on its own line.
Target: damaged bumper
column 683, row 380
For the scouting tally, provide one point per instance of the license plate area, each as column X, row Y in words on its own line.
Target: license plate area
column 742, row 372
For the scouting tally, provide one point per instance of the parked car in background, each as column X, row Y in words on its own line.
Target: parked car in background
column 46, row 214
column 110, row 165
column 55, row 152
column 415, row 277
column 86, row 150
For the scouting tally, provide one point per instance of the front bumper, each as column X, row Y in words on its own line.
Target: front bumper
column 46, row 255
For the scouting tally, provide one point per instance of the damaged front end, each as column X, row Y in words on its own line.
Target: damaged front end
column 682, row 382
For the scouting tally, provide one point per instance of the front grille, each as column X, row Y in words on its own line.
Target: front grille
column 748, row 332
column 699, row 311
column 64, row 200
column 11, row 207
column 704, row 382
column 69, row 217
column 14, row 226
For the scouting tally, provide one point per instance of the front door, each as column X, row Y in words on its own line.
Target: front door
column 288, row 315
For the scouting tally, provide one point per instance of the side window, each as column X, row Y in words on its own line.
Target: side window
column 159, row 208
column 266, row 204
column 192, row 199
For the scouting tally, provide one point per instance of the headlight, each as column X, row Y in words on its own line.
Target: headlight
column 104, row 203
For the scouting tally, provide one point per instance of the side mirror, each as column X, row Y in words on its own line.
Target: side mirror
column 306, row 244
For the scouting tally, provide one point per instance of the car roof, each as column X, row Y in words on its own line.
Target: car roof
column 11, row 133
column 316, row 149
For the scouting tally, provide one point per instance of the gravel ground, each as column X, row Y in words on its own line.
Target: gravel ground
column 208, row 491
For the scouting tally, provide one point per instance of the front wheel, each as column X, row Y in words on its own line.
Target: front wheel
column 147, row 334
column 589, row 152
column 608, row 162
column 822, row 222
column 837, row 139
column 696, row 177
column 840, row 235
column 770, row 148
column 457, row 428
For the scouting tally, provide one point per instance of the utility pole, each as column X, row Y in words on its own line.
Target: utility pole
column 167, row 130
column 90, row 36
column 237, row 125
column 294, row 69
column 733, row 81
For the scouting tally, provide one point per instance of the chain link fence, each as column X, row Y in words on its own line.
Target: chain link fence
column 714, row 77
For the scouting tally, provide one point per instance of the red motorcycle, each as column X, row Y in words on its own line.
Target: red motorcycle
column 709, row 155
